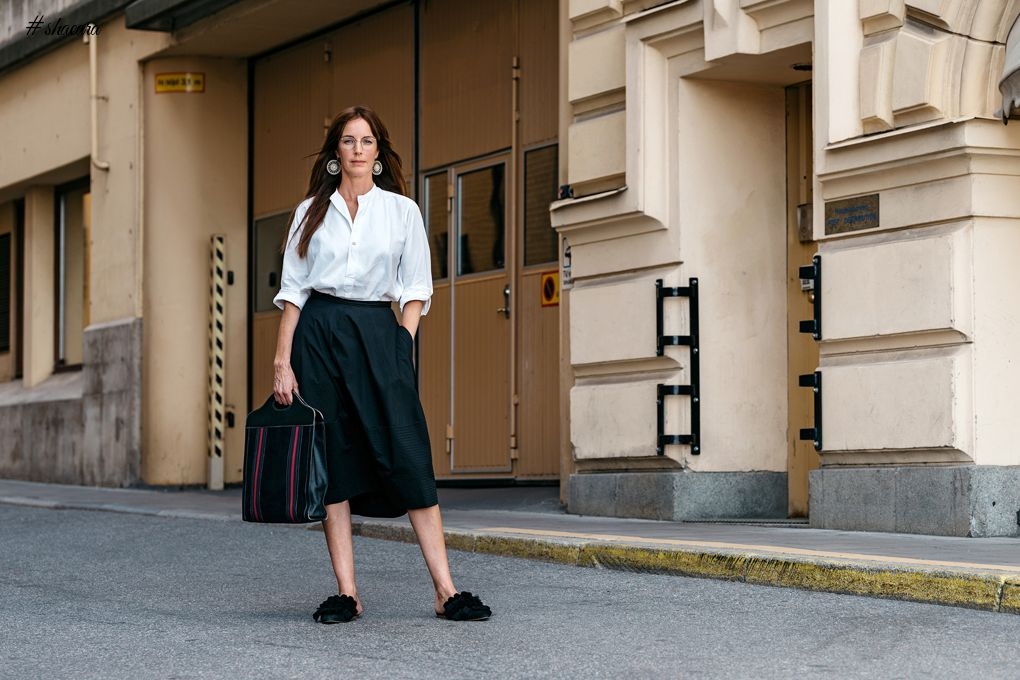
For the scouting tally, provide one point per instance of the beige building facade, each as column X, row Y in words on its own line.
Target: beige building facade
column 733, row 141
column 700, row 259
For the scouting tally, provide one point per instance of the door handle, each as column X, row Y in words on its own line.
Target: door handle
column 505, row 309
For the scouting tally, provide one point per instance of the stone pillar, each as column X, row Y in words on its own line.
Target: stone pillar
column 195, row 186
column 39, row 294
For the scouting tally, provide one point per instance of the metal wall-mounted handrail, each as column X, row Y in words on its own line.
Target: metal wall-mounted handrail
column 693, row 390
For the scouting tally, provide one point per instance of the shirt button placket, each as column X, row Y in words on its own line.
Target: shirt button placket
column 351, row 261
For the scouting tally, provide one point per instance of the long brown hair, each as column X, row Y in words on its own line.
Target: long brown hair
column 321, row 184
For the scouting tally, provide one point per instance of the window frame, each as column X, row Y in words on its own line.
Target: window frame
column 60, row 193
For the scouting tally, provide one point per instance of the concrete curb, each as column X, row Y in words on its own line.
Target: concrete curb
column 988, row 591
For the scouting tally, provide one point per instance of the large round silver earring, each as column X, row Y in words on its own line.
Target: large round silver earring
column 333, row 167
column 377, row 168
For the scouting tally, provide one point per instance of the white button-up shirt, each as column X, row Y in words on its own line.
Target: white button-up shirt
column 381, row 254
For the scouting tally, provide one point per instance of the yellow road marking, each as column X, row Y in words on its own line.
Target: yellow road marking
column 761, row 548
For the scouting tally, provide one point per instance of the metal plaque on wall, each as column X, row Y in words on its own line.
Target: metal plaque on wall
column 851, row 214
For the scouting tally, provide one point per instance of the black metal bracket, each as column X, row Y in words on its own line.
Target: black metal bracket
column 813, row 434
column 694, row 438
column 813, row 272
column 691, row 293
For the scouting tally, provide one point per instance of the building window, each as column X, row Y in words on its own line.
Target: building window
column 540, row 170
column 72, row 216
column 12, row 217
column 5, row 292
column 481, row 220
column 437, row 223
column 270, row 233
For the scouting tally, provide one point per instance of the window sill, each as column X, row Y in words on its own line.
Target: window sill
column 58, row 387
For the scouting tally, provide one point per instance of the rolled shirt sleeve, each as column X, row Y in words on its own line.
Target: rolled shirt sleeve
column 293, row 278
column 414, row 272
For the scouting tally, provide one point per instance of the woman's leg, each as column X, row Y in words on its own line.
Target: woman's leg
column 337, row 527
column 428, row 527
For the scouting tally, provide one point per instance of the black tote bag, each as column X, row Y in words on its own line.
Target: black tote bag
column 284, row 464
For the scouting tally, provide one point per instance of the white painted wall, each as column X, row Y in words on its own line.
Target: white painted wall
column 732, row 202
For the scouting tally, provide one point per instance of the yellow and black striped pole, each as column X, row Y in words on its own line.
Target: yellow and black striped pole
column 217, row 359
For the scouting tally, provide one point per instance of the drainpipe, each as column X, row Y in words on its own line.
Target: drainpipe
column 90, row 39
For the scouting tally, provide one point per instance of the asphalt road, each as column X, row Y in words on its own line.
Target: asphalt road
column 105, row 595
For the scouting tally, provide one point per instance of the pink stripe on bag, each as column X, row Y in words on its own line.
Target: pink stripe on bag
column 258, row 479
column 293, row 475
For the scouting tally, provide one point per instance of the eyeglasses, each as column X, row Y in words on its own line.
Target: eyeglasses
column 367, row 143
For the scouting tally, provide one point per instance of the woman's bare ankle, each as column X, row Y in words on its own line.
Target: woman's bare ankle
column 348, row 590
column 445, row 593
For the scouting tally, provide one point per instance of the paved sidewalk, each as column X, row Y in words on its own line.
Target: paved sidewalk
column 981, row 573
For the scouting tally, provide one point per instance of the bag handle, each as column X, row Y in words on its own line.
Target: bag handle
column 271, row 401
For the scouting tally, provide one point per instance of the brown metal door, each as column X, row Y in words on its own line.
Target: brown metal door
column 538, row 318
column 489, row 376
column 464, row 362
column 435, row 377
column 481, row 301
column 803, row 350
column 475, row 368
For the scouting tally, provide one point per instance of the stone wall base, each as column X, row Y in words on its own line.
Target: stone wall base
column 80, row 427
column 952, row 500
column 679, row 495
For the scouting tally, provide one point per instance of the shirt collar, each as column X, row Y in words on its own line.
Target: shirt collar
column 363, row 200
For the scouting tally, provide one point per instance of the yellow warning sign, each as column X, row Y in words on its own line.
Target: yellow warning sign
column 180, row 82
column 550, row 289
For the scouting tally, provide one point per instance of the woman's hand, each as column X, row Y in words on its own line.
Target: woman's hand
column 411, row 316
column 284, row 383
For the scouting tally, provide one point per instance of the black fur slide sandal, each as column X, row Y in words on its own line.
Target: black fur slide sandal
column 337, row 609
column 465, row 607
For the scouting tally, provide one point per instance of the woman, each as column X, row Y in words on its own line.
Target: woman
column 355, row 244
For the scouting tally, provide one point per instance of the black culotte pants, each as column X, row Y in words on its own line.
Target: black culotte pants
column 352, row 361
